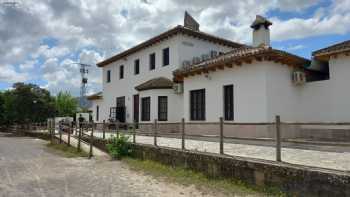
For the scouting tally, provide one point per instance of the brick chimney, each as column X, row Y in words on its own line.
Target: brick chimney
column 261, row 31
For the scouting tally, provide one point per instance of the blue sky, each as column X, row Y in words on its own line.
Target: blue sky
column 41, row 39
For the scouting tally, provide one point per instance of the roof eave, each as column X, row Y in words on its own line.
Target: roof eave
column 325, row 56
column 165, row 35
column 268, row 55
column 153, row 88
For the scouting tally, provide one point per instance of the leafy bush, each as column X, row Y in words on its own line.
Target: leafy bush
column 119, row 147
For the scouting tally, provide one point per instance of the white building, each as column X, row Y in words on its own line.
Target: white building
column 186, row 73
column 144, row 64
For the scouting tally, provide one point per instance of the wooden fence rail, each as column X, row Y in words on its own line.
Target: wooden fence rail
column 90, row 130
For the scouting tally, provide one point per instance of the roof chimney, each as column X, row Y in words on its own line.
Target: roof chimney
column 190, row 23
column 261, row 32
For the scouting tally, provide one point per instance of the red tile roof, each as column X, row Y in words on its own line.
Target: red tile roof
column 325, row 53
column 155, row 83
column 95, row 96
column 239, row 56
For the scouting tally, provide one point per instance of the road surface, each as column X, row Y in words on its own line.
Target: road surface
column 29, row 169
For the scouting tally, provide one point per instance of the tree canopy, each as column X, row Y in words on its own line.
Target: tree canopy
column 30, row 103
column 65, row 104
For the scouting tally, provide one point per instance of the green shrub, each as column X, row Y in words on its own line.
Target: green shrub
column 119, row 147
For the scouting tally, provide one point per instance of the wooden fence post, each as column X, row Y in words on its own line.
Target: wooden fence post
column 103, row 130
column 183, row 133
column 221, row 135
column 155, row 132
column 79, row 136
column 69, row 130
column 117, row 129
column 49, row 126
column 134, row 132
column 30, row 127
column 91, row 140
column 60, row 133
column 52, row 125
column 278, row 138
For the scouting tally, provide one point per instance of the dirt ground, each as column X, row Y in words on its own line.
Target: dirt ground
column 28, row 168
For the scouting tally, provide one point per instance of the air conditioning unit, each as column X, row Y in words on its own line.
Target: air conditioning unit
column 178, row 88
column 213, row 54
column 196, row 60
column 205, row 57
column 299, row 78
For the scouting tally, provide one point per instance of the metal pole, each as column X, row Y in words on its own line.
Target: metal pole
column 91, row 140
column 221, row 135
column 134, row 132
column 278, row 138
column 103, row 130
column 155, row 132
column 183, row 133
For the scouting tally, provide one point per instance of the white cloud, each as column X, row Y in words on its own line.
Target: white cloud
column 296, row 47
column 50, row 52
column 111, row 26
column 10, row 75
column 27, row 65
column 65, row 75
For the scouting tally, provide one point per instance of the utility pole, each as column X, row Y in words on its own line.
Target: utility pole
column 84, row 80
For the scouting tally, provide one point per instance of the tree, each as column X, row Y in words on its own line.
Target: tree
column 27, row 103
column 65, row 104
column 2, row 113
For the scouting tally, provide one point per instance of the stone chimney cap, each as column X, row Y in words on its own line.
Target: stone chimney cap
column 259, row 20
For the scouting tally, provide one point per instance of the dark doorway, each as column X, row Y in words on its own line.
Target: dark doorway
column 120, row 111
column 136, row 109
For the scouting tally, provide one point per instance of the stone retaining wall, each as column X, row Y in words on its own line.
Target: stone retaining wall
column 292, row 179
column 296, row 180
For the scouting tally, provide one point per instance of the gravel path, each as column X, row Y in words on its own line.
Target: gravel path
column 29, row 169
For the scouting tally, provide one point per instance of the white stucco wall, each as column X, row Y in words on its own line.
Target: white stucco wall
column 94, row 104
column 340, row 81
column 190, row 47
column 175, row 103
column 125, row 87
column 249, row 92
column 282, row 95
column 329, row 100
column 263, row 90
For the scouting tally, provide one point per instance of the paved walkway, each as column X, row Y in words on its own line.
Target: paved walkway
column 323, row 159
column 84, row 146
column 29, row 169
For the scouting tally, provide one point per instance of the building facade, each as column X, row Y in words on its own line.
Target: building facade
column 185, row 73
column 144, row 63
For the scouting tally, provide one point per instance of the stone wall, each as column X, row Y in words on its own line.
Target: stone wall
column 163, row 128
column 293, row 179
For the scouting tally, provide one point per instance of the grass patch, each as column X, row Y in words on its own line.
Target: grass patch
column 64, row 150
column 188, row 177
